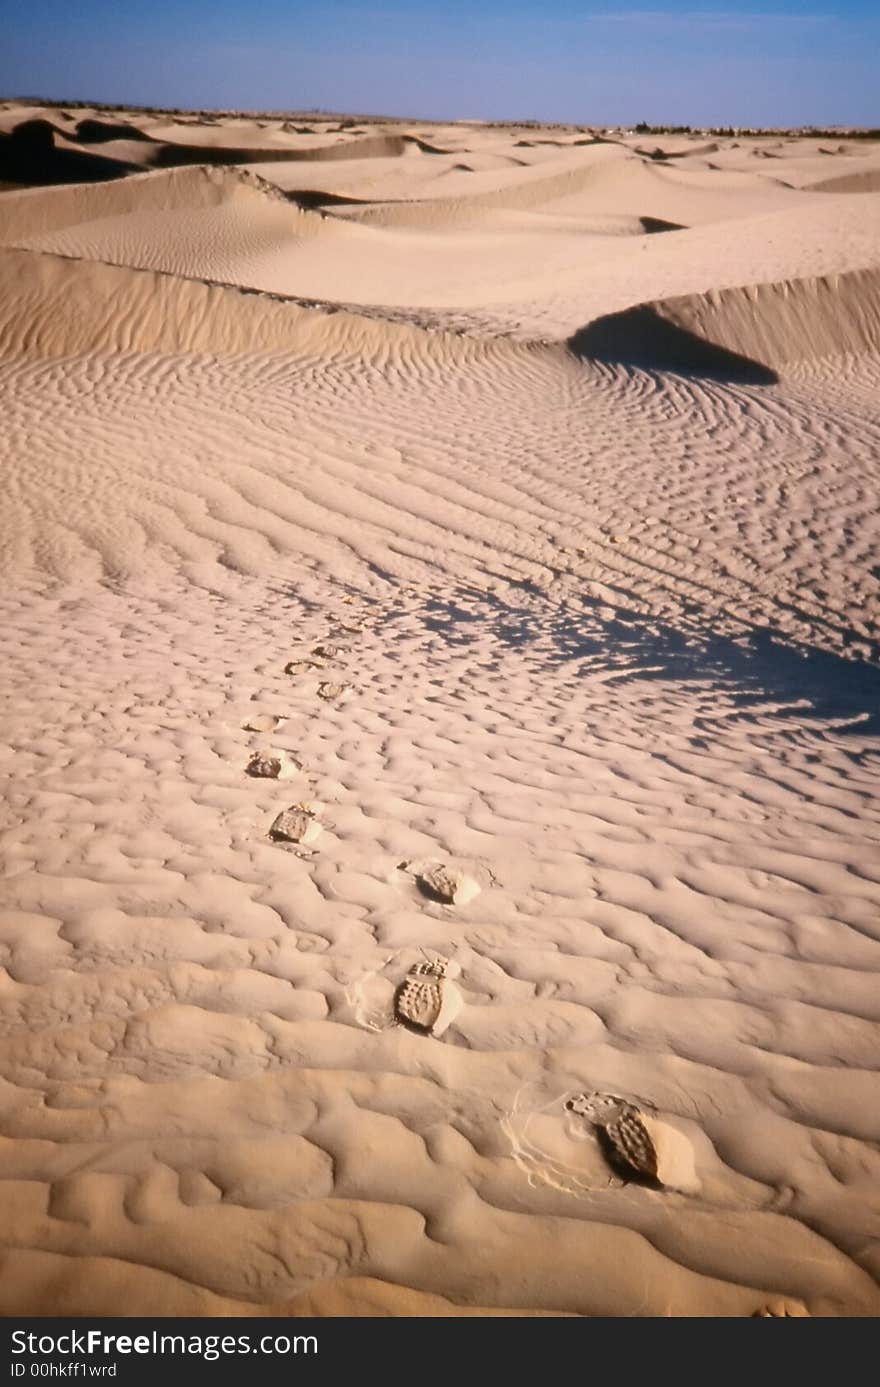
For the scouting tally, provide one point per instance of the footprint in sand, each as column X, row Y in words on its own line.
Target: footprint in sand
column 263, row 722
column 630, row 1149
column 636, row 1143
column 298, row 824
column 304, row 666
column 574, row 1144
column 427, row 1000
column 441, row 883
column 331, row 693
column 272, row 765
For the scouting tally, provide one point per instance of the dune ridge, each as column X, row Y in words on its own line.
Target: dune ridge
column 772, row 325
column 57, row 308
column 35, row 211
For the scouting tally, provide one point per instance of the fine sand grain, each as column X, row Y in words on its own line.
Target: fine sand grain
column 441, row 660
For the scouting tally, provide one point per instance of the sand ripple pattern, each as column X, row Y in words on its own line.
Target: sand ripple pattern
column 429, row 453
column 681, row 907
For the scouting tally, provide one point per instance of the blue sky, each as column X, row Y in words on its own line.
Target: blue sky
column 700, row 62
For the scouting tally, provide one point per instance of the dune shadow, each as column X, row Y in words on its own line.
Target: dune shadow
column 310, row 199
column 30, row 157
column 641, row 336
column 169, row 155
column 806, row 682
column 103, row 131
column 651, row 225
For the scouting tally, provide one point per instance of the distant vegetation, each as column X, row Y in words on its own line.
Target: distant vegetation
column 815, row 132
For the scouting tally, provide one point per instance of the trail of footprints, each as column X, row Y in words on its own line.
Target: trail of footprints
column 427, row 1000
column 299, row 825
column 636, row 1144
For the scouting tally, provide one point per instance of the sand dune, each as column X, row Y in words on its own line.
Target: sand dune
column 522, row 518
column 734, row 330
column 35, row 211
column 40, row 150
column 867, row 181
column 610, row 177
column 540, row 272
column 55, row 307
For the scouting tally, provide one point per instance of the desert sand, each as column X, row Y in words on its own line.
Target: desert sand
column 500, row 500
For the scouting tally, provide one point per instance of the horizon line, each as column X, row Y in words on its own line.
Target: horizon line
column 313, row 111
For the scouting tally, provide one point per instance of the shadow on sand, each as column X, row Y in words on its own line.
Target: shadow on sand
column 30, row 157
column 641, row 336
column 755, row 669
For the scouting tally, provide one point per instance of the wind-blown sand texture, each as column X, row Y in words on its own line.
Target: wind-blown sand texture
column 514, row 490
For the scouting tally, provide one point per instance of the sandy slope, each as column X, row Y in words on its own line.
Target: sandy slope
column 540, row 256
column 589, row 508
